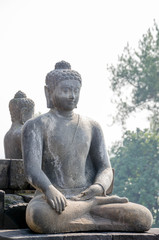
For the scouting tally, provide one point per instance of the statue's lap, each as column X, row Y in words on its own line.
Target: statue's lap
column 88, row 215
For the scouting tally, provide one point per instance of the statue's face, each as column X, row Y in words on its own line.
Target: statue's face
column 65, row 96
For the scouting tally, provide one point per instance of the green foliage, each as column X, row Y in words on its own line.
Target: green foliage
column 135, row 79
column 136, row 164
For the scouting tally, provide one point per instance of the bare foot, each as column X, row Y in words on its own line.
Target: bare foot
column 111, row 199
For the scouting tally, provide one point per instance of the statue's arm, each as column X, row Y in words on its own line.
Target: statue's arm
column 104, row 174
column 32, row 147
column 99, row 156
column 32, row 144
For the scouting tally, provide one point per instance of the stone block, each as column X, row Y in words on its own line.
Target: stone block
column 1, row 207
column 26, row 234
column 17, row 176
column 14, row 216
column 2, row 201
column 12, row 175
column 4, row 173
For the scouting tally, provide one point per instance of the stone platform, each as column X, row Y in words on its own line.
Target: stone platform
column 26, row 234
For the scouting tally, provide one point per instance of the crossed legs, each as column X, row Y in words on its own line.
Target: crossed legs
column 101, row 214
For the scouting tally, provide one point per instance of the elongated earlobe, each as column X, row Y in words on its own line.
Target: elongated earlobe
column 48, row 97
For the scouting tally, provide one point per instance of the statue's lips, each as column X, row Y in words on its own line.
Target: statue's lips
column 71, row 102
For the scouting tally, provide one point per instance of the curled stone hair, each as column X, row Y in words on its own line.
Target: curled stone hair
column 19, row 102
column 62, row 72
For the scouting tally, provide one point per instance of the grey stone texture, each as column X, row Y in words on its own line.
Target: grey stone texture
column 11, row 200
column 14, row 216
column 21, row 109
column 17, row 176
column 1, row 207
column 12, row 175
column 13, row 209
column 4, row 173
column 26, row 234
column 65, row 159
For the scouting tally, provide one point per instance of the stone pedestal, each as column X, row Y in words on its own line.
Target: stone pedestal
column 12, row 175
column 1, row 207
column 26, row 234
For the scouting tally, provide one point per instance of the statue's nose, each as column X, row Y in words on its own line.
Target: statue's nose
column 72, row 95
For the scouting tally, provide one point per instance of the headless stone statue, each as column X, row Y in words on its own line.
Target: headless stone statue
column 65, row 159
column 21, row 109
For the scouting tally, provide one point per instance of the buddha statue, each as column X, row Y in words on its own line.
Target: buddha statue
column 66, row 161
column 21, row 109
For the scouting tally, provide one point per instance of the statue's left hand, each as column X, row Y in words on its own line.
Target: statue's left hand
column 92, row 191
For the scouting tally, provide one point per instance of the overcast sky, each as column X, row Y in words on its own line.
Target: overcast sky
column 35, row 34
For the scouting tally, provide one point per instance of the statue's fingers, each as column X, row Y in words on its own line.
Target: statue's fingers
column 63, row 204
column 65, row 201
column 77, row 197
column 51, row 203
column 86, row 197
column 56, row 205
column 59, row 205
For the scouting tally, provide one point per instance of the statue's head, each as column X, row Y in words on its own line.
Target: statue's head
column 21, row 108
column 61, row 84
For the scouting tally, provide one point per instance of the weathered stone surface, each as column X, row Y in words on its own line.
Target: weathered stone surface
column 14, row 209
column 1, row 207
column 17, row 176
column 21, row 109
column 4, row 173
column 12, row 174
column 12, row 199
column 26, row 234
column 14, row 216
column 27, row 196
column 66, row 159
column 1, row 201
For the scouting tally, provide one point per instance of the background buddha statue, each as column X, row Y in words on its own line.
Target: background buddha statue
column 21, row 109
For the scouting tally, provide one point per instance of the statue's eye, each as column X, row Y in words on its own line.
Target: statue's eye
column 76, row 91
column 65, row 90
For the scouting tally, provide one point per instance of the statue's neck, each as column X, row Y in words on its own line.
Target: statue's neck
column 63, row 114
column 17, row 124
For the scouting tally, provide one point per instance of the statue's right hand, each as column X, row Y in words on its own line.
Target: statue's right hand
column 55, row 199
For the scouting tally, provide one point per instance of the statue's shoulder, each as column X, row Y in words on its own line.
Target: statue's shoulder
column 7, row 136
column 37, row 122
column 91, row 123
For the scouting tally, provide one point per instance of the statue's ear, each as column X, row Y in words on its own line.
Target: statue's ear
column 26, row 114
column 48, row 97
column 22, row 115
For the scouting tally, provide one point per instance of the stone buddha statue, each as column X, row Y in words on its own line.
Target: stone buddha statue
column 66, row 161
column 21, row 109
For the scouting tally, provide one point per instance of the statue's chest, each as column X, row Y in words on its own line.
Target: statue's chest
column 68, row 138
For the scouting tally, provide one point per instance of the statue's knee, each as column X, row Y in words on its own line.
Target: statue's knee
column 41, row 218
column 35, row 217
column 139, row 218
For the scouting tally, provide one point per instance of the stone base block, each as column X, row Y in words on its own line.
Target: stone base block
column 12, row 175
column 26, row 234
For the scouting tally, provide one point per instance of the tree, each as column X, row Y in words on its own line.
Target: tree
column 136, row 164
column 135, row 79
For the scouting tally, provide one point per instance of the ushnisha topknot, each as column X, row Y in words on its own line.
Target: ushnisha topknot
column 62, row 72
column 62, row 65
column 20, row 94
